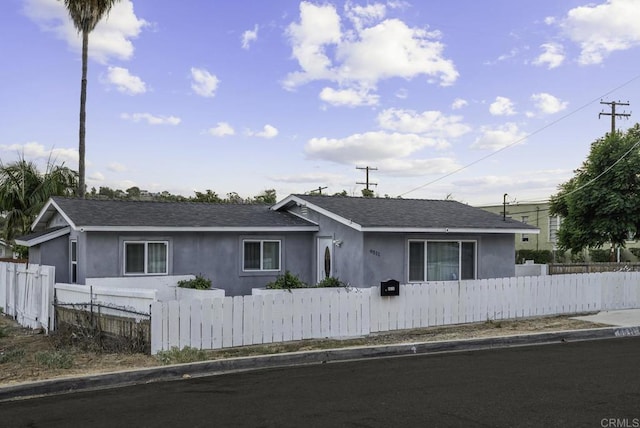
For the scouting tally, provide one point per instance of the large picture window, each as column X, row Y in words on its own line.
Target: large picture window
column 145, row 258
column 441, row 260
column 261, row 255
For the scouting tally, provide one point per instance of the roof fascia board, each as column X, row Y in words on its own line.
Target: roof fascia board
column 447, row 230
column 196, row 229
column 44, row 238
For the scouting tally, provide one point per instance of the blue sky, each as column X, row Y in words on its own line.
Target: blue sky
column 467, row 99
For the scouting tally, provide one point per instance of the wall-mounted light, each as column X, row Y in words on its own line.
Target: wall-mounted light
column 337, row 242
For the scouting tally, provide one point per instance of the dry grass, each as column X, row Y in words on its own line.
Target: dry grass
column 22, row 351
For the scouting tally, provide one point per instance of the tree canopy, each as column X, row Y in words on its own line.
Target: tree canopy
column 600, row 204
column 24, row 190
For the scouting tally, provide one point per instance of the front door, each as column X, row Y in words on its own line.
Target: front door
column 325, row 258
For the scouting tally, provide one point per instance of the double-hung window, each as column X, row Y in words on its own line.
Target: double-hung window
column 261, row 255
column 146, row 257
column 441, row 260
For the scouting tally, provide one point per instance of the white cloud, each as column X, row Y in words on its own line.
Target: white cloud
column 430, row 123
column 34, row 150
column 368, row 147
column 204, row 83
column 151, row 119
column 502, row 106
column 249, row 36
column 548, row 104
column 417, row 167
column 402, row 93
column 361, row 16
column 96, row 176
column 374, row 49
column 458, row 103
column 267, row 132
column 552, row 56
column 348, row 97
column 499, row 137
column 602, row 29
column 221, row 129
column 325, row 178
column 112, row 37
column 116, row 167
column 125, row 82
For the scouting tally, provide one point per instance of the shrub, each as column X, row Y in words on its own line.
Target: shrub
column 287, row 282
column 198, row 283
column 54, row 359
column 11, row 356
column 179, row 356
column 331, row 282
column 538, row 256
column 599, row 255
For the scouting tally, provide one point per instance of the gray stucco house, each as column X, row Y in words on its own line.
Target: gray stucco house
column 362, row 241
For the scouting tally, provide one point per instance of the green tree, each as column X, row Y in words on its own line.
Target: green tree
column 600, row 204
column 209, row 196
column 24, row 191
column 133, row 192
column 85, row 15
column 266, row 197
column 367, row 193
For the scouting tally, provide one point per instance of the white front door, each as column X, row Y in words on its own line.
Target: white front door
column 325, row 258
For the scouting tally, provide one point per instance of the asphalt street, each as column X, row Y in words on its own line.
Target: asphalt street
column 578, row 384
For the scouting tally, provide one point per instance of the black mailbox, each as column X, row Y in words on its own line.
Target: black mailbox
column 390, row 287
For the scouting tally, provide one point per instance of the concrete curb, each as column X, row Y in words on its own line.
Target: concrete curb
column 208, row 368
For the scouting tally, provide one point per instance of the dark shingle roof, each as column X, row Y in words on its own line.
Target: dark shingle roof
column 117, row 213
column 412, row 213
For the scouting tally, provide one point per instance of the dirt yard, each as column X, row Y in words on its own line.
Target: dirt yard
column 27, row 355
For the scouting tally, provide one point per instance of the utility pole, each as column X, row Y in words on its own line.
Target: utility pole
column 504, row 207
column 613, row 113
column 319, row 190
column 367, row 169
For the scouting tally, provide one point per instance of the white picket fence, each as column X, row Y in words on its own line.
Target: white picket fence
column 26, row 292
column 111, row 300
column 326, row 313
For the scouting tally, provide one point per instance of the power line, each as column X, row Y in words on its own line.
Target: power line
column 636, row 77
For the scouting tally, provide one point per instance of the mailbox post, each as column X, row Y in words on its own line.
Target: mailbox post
column 390, row 287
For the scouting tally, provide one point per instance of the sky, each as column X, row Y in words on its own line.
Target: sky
column 462, row 99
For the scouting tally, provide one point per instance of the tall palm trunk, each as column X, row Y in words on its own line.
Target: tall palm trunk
column 83, row 115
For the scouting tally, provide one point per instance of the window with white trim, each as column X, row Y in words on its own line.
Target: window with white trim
column 441, row 260
column 260, row 255
column 146, row 257
column 73, row 261
column 525, row 220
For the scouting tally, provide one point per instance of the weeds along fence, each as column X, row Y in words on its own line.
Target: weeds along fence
column 26, row 292
column 281, row 316
column 105, row 318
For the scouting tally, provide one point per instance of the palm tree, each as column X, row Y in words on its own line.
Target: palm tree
column 85, row 15
column 24, row 191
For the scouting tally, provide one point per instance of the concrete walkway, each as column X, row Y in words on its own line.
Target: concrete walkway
column 621, row 318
